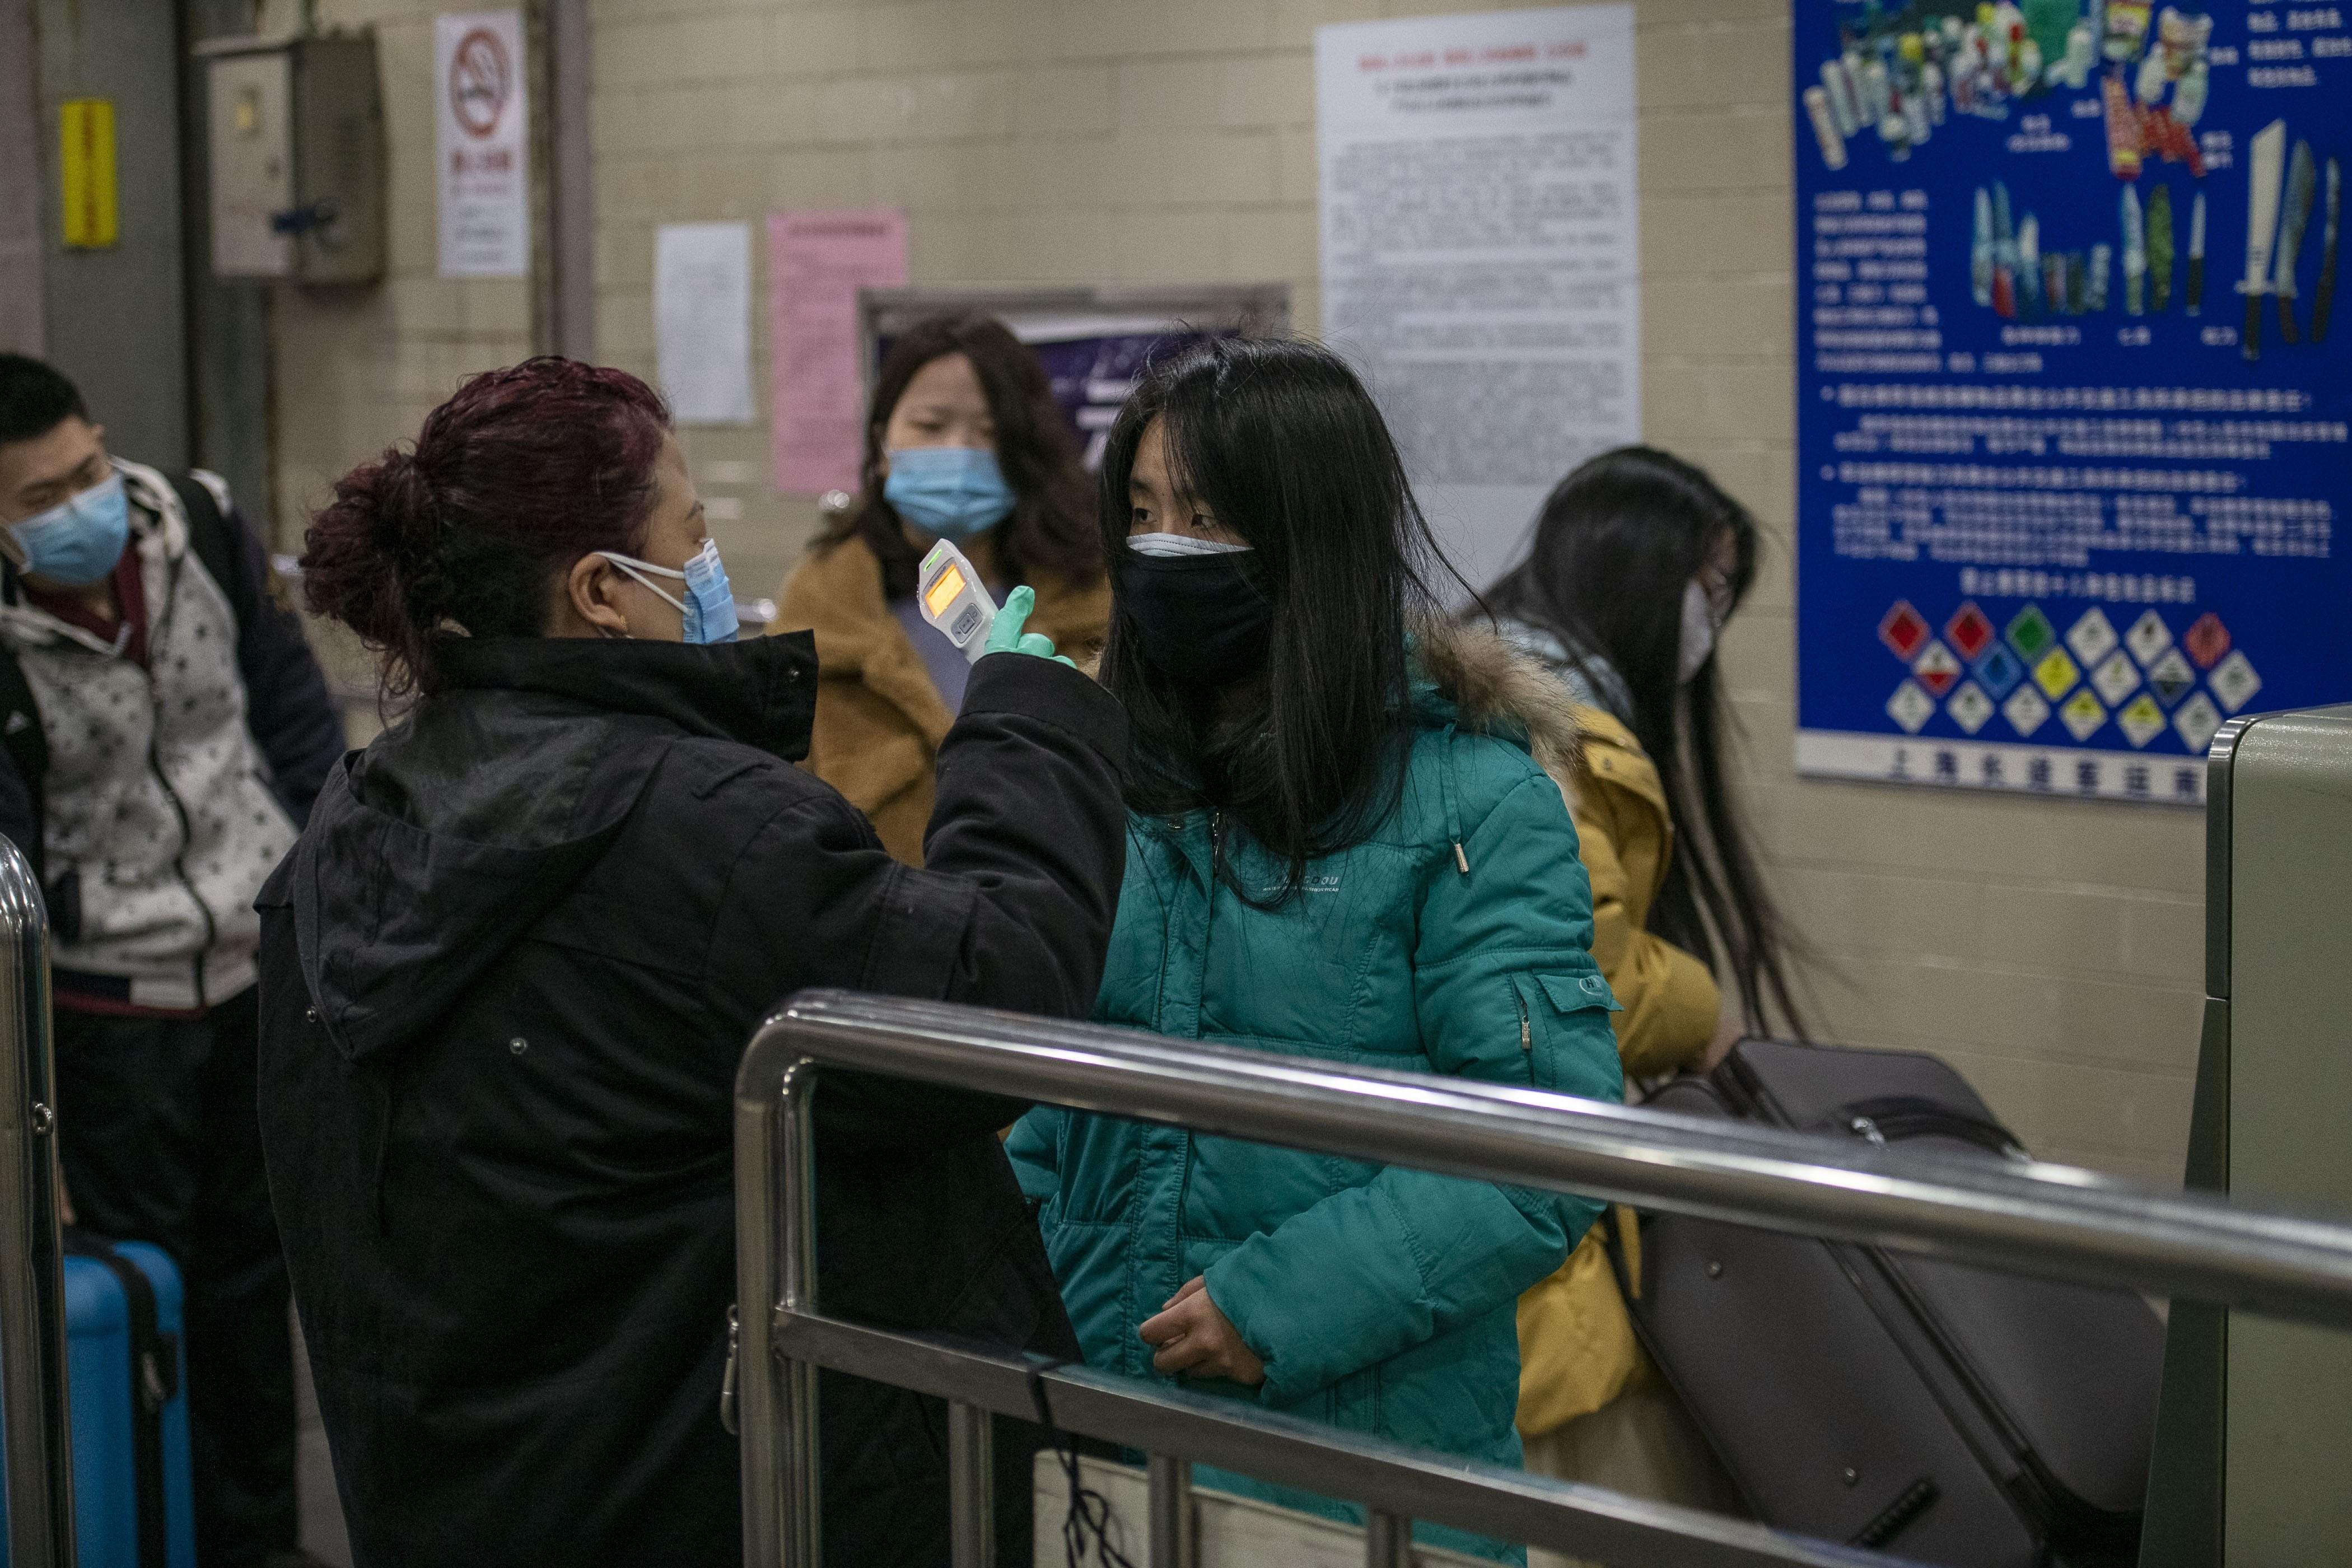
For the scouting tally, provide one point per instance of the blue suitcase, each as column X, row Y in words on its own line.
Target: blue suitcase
column 134, row 1505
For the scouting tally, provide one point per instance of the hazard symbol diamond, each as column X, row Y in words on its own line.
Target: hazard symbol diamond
column 1936, row 668
column 2025, row 711
column 2170, row 677
column 2195, row 722
column 2093, row 637
column 2055, row 673
column 2115, row 679
column 2207, row 641
column 2148, row 637
column 2081, row 714
column 1998, row 671
column 1903, row 630
column 2029, row 633
column 1969, row 707
column 1910, row 707
column 2235, row 682
column 2141, row 720
column 1969, row 630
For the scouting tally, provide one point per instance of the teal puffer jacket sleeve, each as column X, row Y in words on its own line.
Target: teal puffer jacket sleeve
column 1506, row 991
column 1033, row 1146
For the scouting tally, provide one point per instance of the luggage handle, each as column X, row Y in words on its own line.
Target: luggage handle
column 1901, row 1117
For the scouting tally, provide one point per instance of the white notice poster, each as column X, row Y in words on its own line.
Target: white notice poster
column 1479, row 250
column 485, row 138
column 702, row 320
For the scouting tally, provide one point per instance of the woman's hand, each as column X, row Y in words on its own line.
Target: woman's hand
column 1005, row 636
column 1190, row 1335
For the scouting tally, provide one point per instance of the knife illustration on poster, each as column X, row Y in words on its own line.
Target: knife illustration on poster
column 1980, row 250
column 2325, row 295
column 2195, row 300
column 2029, row 267
column 2268, row 167
column 2004, row 255
column 2302, row 181
column 2134, row 253
column 2159, row 249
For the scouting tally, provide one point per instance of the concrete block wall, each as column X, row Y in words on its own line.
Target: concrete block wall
column 2049, row 949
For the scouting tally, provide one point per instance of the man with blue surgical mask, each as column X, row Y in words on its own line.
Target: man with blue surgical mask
column 164, row 729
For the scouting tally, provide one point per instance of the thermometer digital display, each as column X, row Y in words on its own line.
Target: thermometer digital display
column 954, row 600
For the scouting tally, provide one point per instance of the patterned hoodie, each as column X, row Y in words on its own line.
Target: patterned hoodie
column 162, row 816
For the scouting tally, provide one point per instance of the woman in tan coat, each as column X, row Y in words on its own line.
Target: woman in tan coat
column 963, row 441
column 1638, row 561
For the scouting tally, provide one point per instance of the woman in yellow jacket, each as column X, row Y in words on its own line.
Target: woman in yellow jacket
column 1638, row 561
column 963, row 441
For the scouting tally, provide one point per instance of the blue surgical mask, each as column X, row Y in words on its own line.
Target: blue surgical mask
column 76, row 541
column 953, row 492
column 708, row 607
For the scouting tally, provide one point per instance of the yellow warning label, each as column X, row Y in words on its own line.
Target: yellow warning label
column 2055, row 673
column 86, row 138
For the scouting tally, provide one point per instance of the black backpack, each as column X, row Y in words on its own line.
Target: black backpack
column 210, row 540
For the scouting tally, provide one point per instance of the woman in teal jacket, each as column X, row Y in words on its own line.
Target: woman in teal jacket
column 1341, row 847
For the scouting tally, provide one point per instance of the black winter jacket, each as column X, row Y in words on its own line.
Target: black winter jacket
column 507, row 977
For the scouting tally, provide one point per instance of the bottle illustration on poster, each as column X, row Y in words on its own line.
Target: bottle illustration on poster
column 2061, row 512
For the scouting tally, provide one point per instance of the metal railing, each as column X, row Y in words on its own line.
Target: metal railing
column 32, row 1285
column 2022, row 1215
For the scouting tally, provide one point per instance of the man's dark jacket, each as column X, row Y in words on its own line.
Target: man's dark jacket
column 507, row 977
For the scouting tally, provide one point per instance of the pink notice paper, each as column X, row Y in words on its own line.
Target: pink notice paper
column 817, row 262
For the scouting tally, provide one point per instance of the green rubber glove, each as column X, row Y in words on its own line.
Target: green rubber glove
column 1006, row 636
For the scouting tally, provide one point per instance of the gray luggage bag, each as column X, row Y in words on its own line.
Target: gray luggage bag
column 1944, row 1412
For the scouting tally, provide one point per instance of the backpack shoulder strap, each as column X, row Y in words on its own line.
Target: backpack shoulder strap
column 214, row 545
column 28, row 747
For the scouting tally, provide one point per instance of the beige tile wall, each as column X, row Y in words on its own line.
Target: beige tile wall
column 2049, row 949
column 353, row 369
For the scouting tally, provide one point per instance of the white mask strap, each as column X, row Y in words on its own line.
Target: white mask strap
column 638, row 569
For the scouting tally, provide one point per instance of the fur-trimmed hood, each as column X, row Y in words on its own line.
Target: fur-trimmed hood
column 1495, row 687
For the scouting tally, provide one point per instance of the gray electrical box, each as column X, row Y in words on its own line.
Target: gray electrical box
column 295, row 133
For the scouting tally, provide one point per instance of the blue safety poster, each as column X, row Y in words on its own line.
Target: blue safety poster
column 1091, row 375
column 2072, row 396
column 1092, row 368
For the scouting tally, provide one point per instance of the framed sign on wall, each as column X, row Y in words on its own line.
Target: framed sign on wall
column 2071, row 400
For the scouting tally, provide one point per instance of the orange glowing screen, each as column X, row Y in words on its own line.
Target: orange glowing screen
column 942, row 594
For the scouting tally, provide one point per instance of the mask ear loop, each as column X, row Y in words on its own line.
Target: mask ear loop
column 625, row 565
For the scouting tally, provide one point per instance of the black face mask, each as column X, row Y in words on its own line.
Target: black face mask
column 1201, row 620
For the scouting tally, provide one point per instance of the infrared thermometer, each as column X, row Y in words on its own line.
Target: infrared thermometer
column 954, row 600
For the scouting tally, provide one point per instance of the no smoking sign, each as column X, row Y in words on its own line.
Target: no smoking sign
column 483, row 144
column 481, row 81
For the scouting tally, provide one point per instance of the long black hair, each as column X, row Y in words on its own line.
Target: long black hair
column 1616, row 546
column 1283, row 444
column 1049, row 530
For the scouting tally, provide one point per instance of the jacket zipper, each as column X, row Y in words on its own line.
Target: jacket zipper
column 728, row 1375
column 179, row 807
column 1526, row 1035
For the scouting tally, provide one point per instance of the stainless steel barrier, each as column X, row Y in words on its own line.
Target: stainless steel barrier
column 32, row 1288
column 2028, row 1216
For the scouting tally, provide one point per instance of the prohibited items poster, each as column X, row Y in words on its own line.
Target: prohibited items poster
column 2071, row 393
